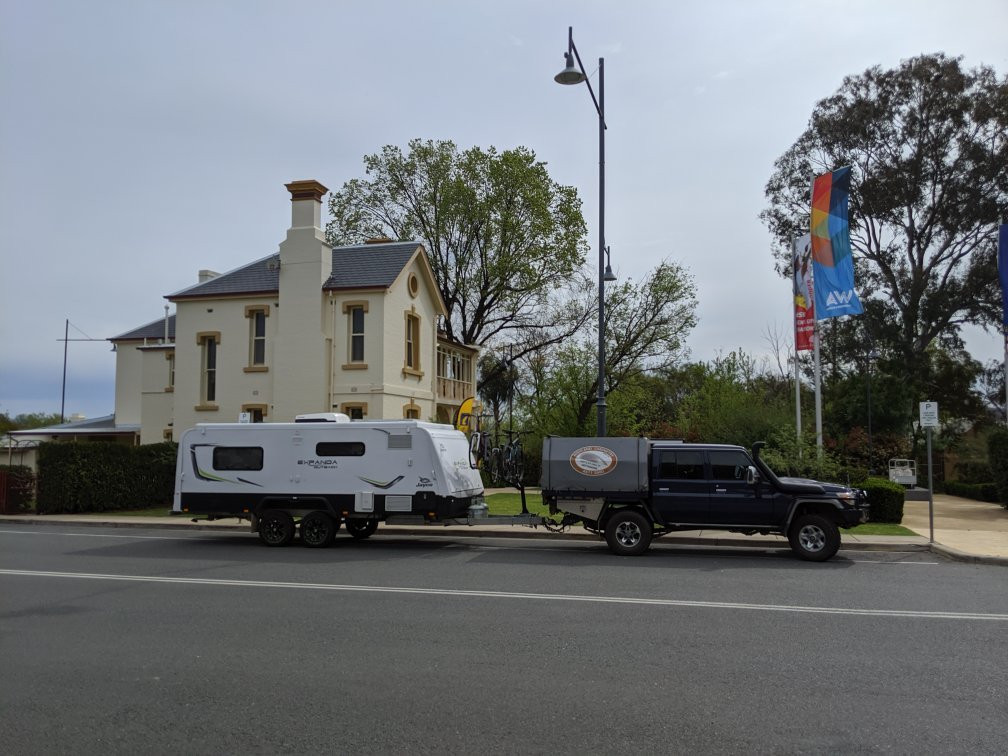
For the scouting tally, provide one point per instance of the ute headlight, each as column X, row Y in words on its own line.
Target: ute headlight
column 850, row 495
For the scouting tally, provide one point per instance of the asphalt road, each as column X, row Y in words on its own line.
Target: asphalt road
column 148, row 641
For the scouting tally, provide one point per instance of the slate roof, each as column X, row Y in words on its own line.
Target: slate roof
column 254, row 278
column 360, row 266
column 366, row 266
column 153, row 330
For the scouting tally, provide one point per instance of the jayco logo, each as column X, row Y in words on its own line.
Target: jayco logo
column 839, row 298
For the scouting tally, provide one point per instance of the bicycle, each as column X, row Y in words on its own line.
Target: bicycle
column 486, row 457
column 513, row 458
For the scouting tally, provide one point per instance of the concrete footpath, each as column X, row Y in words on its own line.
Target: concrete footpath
column 964, row 530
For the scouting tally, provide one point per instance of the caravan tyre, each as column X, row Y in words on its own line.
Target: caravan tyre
column 361, row 529
column 317, row 530
column 276, row 528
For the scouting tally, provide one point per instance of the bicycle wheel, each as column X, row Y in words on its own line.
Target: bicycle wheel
column 496, row 467
column 517, row 463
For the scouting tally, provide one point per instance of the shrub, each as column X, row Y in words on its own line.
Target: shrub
column 978, row 491
column 99, row 477
column 997, row 458
column 974, row 472
column 885, row 500
column 20, row 488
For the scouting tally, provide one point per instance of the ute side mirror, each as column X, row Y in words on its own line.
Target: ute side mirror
column 751, row 475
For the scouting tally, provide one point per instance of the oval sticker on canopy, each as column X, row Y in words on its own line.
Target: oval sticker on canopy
column 593, row 460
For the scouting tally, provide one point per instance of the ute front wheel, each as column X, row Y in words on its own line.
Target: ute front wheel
column 814, row 537
column 318, row 530
column 361, row 529
column 628, row 533
column 276, row 528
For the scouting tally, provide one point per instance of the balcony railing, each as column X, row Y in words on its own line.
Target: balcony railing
column 454, row 375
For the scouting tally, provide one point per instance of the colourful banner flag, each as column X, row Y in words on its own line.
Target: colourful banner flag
column 1003, row 270
column 804, row 304
column 832, row 263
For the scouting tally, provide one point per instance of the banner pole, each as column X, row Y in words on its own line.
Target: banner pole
column 816, row 337
column 794, row 318
column 1006, row 371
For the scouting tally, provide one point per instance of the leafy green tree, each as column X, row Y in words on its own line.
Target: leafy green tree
column 28, row 420
column 498, row 385
column 504, row 239
column 928, row 146
column 646, row 328
column 735, row 403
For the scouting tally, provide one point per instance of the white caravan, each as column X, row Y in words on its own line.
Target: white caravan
column 323, row 471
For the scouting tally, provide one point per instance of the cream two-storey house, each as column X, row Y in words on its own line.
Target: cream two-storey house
column 310, row 328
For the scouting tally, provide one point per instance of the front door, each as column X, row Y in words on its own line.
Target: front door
column 733, row 501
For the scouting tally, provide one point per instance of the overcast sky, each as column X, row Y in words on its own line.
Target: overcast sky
column 143, row 141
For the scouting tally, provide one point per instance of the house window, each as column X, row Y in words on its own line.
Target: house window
column 208, row 368
column 170, row 356
column 256, row 411
column 411, row 411
column 354, row 410
column 257, row 315
column 411, row 363
column 355, row 335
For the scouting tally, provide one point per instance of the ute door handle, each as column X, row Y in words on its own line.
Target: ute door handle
column 663, row 489
column 720, row 490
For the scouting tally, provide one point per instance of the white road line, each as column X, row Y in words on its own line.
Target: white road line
column 903, row 613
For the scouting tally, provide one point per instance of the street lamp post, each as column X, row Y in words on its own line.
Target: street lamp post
column 872, row 356
column 572, row 75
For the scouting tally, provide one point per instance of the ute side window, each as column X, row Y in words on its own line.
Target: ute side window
column 238, row 458
column 729, row 465
column 339, row 449
column 681, row 465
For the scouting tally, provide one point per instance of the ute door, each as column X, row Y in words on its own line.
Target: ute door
column 733, row 501
column 679, row 488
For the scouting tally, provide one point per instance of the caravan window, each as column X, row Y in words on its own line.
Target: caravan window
column 339, row 449
column 238, row 458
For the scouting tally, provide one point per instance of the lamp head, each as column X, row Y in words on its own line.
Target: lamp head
column 570, row 74
column 608, row 276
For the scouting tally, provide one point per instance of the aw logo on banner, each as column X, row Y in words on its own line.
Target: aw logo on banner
column 840, row 298
column 832, row 263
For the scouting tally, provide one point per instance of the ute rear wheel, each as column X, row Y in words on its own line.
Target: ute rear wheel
column 628, row 533
column 814, row 537
column 361, row 529
column 318, row 530
column 276, row 528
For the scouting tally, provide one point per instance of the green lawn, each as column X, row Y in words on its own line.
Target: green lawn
column 880, row 528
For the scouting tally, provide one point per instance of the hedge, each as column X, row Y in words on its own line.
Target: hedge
column 885, row 500
column 997, row 457
column 100, row 477
column 20, row 487
column 978, row 491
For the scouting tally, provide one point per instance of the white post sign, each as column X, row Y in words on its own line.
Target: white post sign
column 929, row 420
column 244, row 417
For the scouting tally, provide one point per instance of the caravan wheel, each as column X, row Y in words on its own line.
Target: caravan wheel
column 276, row 528
column 317, row 530
column 361, row 529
